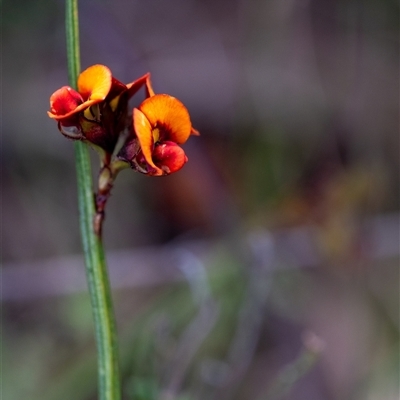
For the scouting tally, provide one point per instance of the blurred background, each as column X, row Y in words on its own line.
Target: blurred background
column 268, row 267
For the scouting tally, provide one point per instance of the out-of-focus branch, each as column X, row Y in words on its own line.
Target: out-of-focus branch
column 293, row 248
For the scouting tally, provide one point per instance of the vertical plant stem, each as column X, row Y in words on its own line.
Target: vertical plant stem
column 96, row 268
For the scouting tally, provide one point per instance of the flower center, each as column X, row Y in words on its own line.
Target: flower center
column 159, row 133
column 156, row 134
column 92, row 113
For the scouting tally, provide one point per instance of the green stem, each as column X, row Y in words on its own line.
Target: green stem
column 96, row 269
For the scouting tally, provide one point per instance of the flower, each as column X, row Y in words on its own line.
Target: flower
column 97, row 111
column 94, row 84
column 160, row 124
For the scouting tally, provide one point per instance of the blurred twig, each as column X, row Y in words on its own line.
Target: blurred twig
column 293, row 248
column 252, row 312
column 197, row 331
column 287, row 378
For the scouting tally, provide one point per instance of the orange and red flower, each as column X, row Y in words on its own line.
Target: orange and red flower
column 97, row 112
column 160, row 124
column 94, row 84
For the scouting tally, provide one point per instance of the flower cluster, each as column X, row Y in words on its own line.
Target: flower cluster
column 98, row 113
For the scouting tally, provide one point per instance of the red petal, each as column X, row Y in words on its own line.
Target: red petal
column 136, row 85
column 63, row 102
column 169, row 157
column 116, row 88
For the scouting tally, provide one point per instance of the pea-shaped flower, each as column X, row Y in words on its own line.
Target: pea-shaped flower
column 97, row 111
column 160, row 124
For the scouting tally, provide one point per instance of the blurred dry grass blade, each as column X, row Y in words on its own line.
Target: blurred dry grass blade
column 292, row 248
column 287, row 378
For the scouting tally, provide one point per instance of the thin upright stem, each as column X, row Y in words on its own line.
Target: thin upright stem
column 96, row 269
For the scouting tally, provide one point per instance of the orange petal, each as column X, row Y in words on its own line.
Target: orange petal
column 145, row 136
column 63, row 103
column 169, row 114
column 94, row 83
